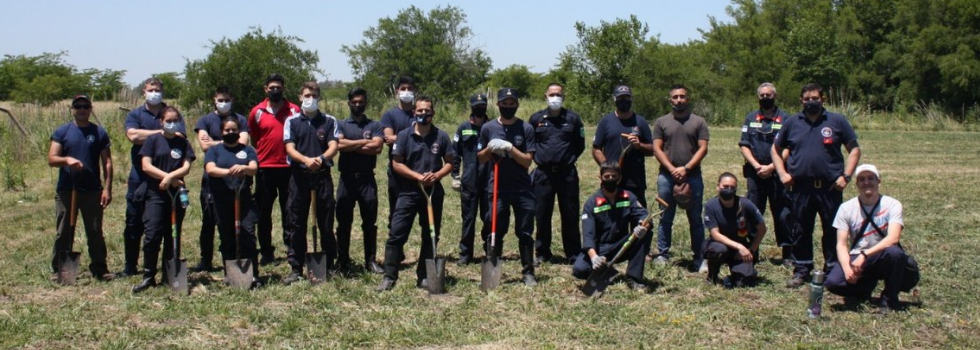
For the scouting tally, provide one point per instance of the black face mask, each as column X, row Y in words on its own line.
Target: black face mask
column 479, row 112
column 357, row 110
column 423, row 119
column 767, row 103
column 726, row 193
column 230, row 139
column 508, row 112
column 610, row 185
column 679, row 107
column 624, row 105
column 275, row 95
column 812, row 107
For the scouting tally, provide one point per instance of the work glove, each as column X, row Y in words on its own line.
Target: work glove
column 598, row 262
column 457, row 185
column 500, row 147
column 640, row 231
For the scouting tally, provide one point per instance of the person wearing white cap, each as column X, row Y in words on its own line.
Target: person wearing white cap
column 869, row 228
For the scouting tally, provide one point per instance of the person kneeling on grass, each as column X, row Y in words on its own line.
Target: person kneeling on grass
column 868, row 231
column 606, row 220
column 736, row 227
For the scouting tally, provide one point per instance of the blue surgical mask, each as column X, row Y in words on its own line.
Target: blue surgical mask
column 172, row 128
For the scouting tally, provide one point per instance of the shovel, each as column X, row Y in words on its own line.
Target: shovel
column 239, row 272
column 491, row 269
column 435, row 268
column 316, row 262
column 600, row 278
column 68, row 260
column 176, row 268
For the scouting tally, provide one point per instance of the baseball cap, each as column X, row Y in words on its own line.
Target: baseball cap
column 80, row 97
column 478, row 99
column 621, row 90
column 506, row 93
column 867, row 167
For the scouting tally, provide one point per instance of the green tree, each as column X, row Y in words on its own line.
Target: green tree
column 39, row 79
column 434, row 48
column 516, row 76
column 243, row 65
column 105, row 84
column 597, row 63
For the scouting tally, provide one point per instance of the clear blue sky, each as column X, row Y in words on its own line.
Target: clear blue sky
column 147, row 37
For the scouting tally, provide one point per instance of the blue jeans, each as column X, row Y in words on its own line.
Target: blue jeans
column 665, row 189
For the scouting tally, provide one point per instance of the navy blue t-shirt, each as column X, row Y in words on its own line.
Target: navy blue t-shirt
column 422, row 154
column 211, row 123
column 758, row 133
column 513, row 176
column 85, row 144
column 311, row 136
column 141, row 118
column 609, row 138
column 225, row 157
column 737, row 223
column 397, row 119
column 350, row 129
column 165, row 154
column 815, row 147
column 560, row 139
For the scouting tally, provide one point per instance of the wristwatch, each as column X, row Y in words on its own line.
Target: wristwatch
column 847, row 178
column 865, row 255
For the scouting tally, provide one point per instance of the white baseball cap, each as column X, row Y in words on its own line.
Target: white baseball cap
column 867, row 167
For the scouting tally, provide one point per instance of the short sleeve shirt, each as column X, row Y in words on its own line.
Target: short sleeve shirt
column 560, row 139
column 350, row 129
column 421, row 154
column 166, row 154
column 513, row 176
column 311, row 136
column 266, row 128
column 850, row 217
column 758, row 133
column 738, row 223
column 85, row 144
column 609, row 138
column 142, row 119
column 397, row 120
column 680, row 137
column 815, row 147
column 211, row 124
column 225, row 157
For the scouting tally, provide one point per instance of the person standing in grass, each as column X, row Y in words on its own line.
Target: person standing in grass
column 422, row 156
column 623, row 130
column 393, row 121
column 736, row 228
column 470, row 176
column 166, row 160
column 815, row 175
column 210, row 133
column 80, row 149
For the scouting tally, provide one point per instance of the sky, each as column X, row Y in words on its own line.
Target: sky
column 148, row 37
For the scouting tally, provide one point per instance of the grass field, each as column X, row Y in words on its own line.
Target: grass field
column 932, row 173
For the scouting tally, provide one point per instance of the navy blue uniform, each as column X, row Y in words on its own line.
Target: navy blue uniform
column 422, row 154
column 561, row 140
column 167, row 155
column 606, row 225
column 311, row 137
column 758, row 134
column 609, row 138
column 815, row 162
column 737, row 223
column 357, row 186
column 515, row 187
column 223, row 195
column 473, row 195
column 86, row 145
column 141, row 119
column 397, row 120
column 211, row 124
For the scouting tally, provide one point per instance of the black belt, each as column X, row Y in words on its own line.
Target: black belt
column 555, row 168
column 357, row 175
column 812, row 182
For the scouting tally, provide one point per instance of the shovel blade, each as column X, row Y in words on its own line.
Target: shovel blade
column 316, row 267
column 490, row 273
column 435, row 272
column 68, row 267
column 598, row 281
column 238, row 273
column 176, row 273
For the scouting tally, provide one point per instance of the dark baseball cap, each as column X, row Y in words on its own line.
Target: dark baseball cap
column 506, row 93
column 80, row 97
column 478, row 99
column 621, row 90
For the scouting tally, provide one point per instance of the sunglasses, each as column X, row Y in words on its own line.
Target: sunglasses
column 82, row 106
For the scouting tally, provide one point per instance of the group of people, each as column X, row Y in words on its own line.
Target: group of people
column 793, row 162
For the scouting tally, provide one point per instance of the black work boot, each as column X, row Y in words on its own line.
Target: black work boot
column 371, row 250
column 527, row 264
column 146, row 284
column 714, row 267
column 131, row 255
column 391, row 263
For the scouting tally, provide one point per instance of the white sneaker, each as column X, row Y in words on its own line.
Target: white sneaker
column 660, row 260
column 704, row 267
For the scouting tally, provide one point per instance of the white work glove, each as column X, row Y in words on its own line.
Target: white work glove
column 499, row 147
column 598, row 262
column 457, row 185
column 640, row 231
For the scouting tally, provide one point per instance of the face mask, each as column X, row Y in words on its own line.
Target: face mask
column 223, row 107
column 726, row 193
column 356, row 110
column 766, row 103
column 679, row 107
column 508, row 112
column 812, row 107
column 275, row 95
column 154, row 98
column 479, row 112
column 423, row 119
column 172, row 128
column 610, row 185
column 230, row 139
column 554, row 102
column 624, row 105
column 406, row 96
column 310, row 105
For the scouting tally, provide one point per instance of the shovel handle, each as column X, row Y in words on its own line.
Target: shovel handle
column 74, row 207
column 313, row 210
column 493, row 215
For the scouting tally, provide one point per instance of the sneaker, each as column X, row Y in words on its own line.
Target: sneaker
column 795, row 282
column 636, row 285
column 373, row 267
column 105, row 276
column 661, row 260
column 540, row 259
column 256, row 283
column 463, row 260
column 146, row 284
column 202, row 267
column 267, row 260
column 529, row 280
column 888, row 304
column 704, row 267
column 728, row 282
column 422, row 283
column 292, row 278
column 385, row 285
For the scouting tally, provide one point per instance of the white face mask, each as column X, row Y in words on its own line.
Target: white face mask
column 406, row 96
column 223, row 107
column 554, row 102
column 310, row 105
column 154, row 97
